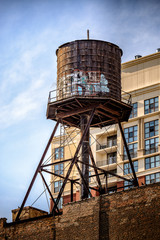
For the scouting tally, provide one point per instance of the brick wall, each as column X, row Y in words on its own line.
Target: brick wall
column 127, row 215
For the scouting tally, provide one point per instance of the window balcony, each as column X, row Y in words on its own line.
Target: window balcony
column 112, row 143
column 106, row 162
column 109, row 144
column 99, row 147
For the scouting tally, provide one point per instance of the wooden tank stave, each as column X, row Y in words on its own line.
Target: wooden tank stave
column 90, row 57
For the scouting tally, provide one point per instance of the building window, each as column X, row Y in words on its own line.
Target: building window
column 134, row 110
column 60, row 204
column 151, row 129
column 152, row 178
column 113, row 171
column 112, row 157
column 127, row 167
column 112, row 189
column 151, row 105
column 152, row 162
column 132, row 149
column 57, row 186
column 127, row 185
column 58, row 168
column 112, row 141
column 151, row 145
column 130, row 134
column 58, row 153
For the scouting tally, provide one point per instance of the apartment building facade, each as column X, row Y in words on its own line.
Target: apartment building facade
column 141, row 79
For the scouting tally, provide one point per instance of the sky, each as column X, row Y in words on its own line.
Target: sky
column 30, row 33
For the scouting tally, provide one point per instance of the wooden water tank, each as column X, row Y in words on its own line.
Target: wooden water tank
column 89, row 68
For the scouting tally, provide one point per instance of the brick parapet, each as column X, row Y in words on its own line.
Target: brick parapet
column 126, row 215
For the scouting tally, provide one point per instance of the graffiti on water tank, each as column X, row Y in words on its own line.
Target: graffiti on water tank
column 83, row 83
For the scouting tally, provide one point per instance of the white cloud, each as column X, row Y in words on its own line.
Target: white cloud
column 25, row 104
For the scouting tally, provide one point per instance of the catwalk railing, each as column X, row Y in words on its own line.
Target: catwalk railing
column 88, row 90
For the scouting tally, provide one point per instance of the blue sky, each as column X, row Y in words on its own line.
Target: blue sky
column 30, row 33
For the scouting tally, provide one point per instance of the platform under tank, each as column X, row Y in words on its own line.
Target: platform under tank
column 89, row 68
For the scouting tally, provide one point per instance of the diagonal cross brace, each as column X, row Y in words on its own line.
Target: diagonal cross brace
column 48, row 189
column 85, row 184
column 135, row 181
column 95, row 170
column 37, row 170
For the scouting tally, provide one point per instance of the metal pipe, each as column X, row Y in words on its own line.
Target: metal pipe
column 87, row 34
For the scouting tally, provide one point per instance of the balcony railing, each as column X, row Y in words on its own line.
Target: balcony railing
column 106, row 162
column 109, row 144
column 98, row 147
column 93, row 89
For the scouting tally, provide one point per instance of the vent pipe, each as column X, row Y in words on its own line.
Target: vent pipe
column 138, row 56
column 87, row 34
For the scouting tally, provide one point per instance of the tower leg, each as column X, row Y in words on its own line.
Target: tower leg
column 85, row 157
column 37, row 170
column 135, row 181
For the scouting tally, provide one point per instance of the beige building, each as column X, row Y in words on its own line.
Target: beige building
column 141, row 79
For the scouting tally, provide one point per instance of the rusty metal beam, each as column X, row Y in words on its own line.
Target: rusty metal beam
column 72, row 182
column 55, row 174
column 95, row 170
column 48, row 189
column 109, row 110
column 135, row 181
column 74, row 158
column 99, row 123
column 106, row 115
column 83, row 179
column 78, row 102
column 105, row 171
column 54, row 163
column 37, row 170
column 76, row 111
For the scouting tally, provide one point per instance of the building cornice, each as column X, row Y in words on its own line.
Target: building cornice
column 143, row 90
column 140, row 60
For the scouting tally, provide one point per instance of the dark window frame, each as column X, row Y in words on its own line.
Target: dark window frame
column 111, row 158
column 152, row 178
column 60, row 168
column 151, row 128
column 151, row 105
column 132, row 149
column 58, row 187
column 131, row 134
column 127, row 167
column 112, row 140
column 58, row 153
column 153, row 145
column 134, row 110
column 152, row 162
